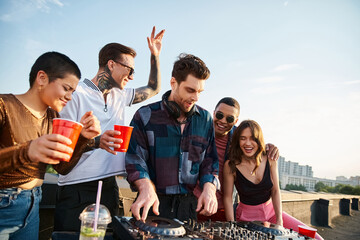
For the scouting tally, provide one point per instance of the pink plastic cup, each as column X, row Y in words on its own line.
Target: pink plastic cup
column 125, row 136
column 69, row 129
column 307, row 231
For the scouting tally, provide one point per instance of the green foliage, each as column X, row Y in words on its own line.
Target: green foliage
column 340, row 188
column 320, row 187
column 356, row 190
column 347, row 189
column 295, row 187
column 50, row 169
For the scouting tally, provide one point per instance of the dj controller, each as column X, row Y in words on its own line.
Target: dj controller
column 171, row 229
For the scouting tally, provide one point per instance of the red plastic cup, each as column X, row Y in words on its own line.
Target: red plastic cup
column 125, row 136
column 307, row 231
column 69, row 129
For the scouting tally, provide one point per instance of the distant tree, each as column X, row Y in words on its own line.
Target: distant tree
column 356, row 190
column 295, row 187
column 332, row 189
column 346, row 189
column 320, row 187
column 338, row 187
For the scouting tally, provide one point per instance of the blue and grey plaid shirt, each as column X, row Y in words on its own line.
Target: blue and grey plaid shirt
column 174, row 161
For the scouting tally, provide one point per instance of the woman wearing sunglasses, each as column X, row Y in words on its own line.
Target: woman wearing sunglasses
column 255, row 178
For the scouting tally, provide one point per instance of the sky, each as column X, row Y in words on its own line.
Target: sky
column 294, row 66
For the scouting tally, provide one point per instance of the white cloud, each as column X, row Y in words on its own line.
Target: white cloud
column 269, row 79
column 286, row 67
column 286, row 3
column 354, row 96
column 23, row 9
column 5, row 18
column 43, row 5
column 57, row 2
column 352, row 82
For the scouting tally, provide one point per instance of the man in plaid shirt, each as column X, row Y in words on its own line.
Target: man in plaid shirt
column 172, row 147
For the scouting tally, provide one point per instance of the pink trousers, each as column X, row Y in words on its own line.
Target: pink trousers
column 265, row 212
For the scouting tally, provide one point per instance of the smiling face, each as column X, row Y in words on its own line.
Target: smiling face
column 120, row 69
column 247, row 143
column 222, row 126
column 58, row 92
column 186, row 93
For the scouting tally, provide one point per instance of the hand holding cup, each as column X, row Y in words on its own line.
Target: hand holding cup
column 108, row 141
column 50, row 148
column 69, row 129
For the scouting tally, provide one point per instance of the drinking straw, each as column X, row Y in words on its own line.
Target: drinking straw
column 97, row 204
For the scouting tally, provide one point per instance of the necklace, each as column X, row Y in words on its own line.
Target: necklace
column 252, row 172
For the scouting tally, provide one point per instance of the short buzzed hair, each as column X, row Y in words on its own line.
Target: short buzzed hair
column 229, row 101
column 55, row 65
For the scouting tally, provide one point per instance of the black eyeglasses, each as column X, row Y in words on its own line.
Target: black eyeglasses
column 229, row 119
column 131, row 72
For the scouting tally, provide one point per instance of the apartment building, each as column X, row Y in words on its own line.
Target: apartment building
column 293, row 173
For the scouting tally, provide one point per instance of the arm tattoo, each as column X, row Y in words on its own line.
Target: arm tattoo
column 154, row 83
column 141, row 94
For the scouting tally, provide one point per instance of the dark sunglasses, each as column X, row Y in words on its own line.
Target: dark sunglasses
column 131, row 72
column 229, row 119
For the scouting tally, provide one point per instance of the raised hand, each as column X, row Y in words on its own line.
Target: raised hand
column 155, row 42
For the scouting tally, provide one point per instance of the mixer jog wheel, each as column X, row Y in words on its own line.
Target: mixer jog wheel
column 161, row 226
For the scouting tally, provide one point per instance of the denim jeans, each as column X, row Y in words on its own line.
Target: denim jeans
column 19, row 213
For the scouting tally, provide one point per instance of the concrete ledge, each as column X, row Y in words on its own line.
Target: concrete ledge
column 317, row 209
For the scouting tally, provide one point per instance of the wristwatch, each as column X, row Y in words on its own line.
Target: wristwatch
column 97, row 141
column 94, row 143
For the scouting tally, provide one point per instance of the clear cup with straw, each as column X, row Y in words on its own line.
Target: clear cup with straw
column 94, row 219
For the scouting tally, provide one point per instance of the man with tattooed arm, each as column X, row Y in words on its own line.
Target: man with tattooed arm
column 107, row 97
